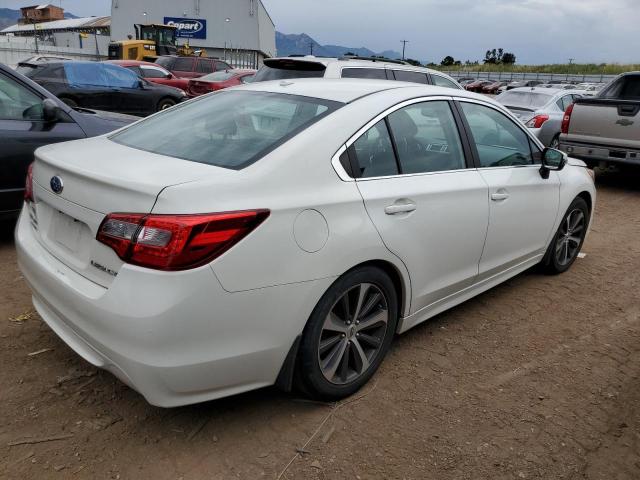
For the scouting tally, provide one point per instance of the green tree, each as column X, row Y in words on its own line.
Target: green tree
column 413, row 62
column 448, row 61
column 508, row 58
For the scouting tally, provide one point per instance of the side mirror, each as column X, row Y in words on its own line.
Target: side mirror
column 552, row 159
column 50, row 110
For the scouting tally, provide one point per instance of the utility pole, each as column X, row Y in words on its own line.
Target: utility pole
column 404, row 44
column 311, row 47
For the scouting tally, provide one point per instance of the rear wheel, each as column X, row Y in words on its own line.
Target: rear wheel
column 348, row 334
column 165, row 103
column 568, row 240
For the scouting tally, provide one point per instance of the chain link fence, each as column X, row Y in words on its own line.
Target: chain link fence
column 543, row 77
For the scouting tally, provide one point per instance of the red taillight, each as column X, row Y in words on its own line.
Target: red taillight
column 28, row 186
column 537, row 121
column 176, row 242
column 566, row 120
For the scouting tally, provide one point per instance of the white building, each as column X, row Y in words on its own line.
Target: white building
column 231, row 29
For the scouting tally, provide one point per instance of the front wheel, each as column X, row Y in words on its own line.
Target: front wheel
column 568, row 240
column 348, row 334
column 165, row 103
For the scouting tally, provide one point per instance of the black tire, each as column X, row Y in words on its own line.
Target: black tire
column 69, row 101
column 379, row 293
column 564, row 247
column 165, row 103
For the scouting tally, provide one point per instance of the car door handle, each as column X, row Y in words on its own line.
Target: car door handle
column 497, row 197
column 400, row 208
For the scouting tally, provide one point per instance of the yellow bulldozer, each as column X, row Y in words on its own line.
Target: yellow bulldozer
column 151, row 41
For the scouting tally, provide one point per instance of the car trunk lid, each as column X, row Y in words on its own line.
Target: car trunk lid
column 77, row 184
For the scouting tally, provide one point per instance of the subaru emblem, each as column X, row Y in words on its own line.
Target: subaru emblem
column 56, row 184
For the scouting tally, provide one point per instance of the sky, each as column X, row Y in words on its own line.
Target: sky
column 537, row 31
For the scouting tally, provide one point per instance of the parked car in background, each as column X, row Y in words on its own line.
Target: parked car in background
column 466, row 81
column 493, row 87
column 218, row 81
column 605, row 129
column 351, row 67
column 31, row 117
column 46, row 58
column 477, row 86
column 523, row 83
column 153, row 72
column 102, row 86
column 191, row 67
column 277, row 234
column 540, row 109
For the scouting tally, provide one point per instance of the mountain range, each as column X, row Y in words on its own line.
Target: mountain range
column 303, row 44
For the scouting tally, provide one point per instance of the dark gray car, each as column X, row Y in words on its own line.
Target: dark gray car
column 31, row 117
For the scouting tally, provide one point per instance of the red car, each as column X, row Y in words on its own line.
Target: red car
column 477, row 86
column 153, row 72
column 191, row 67
column 493, row 87
column 218, row 81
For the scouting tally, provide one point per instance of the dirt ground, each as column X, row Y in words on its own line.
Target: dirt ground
column 535, row 379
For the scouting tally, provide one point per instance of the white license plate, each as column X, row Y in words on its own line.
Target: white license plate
column 67, row 231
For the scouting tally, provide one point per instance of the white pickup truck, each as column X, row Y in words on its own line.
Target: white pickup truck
column 605, row 129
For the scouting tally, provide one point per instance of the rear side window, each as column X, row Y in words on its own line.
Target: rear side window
column 288, row 69
column 427, row 138
column 204, row 66
column 183, row 64
column 441, row 81
column 374, row 152
column 228, row 129
column 414, row 77
column 375, row 73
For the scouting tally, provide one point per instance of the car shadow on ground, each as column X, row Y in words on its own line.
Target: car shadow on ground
column 627, row 179
column 7, row 228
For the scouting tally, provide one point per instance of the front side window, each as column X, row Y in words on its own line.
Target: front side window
column 426, row 138
column 498, row 140
column 408, row 76
column 150, row 72
column 223, row 66
column 119, row 77
column 230, row 129
column 441, row 81
column 17, row 102
column 374, row 73
column 374, row 153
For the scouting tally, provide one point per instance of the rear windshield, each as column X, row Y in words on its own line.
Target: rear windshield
column 227, row 129
column 218, row 76
column 526, row 100
column 26, row 70
column 285, row 69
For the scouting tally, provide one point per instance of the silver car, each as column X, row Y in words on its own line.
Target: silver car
column 540, row 109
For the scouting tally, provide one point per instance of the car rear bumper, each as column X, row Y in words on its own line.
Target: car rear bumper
column 175, row 337
column 601, row 153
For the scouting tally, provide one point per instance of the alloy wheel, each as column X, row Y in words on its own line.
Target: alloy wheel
column 570, row 236
column 353, row 333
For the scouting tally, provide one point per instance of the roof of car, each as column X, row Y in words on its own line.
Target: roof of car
column 130, row 63
column 347, row 90
column 353, row 62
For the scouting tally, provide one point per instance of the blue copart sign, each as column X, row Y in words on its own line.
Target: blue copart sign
column 188, row 27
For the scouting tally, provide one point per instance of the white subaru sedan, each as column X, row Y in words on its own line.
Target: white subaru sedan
column 284, row 232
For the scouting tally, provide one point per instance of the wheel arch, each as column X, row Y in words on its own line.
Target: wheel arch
column 401, row 283
column 586, row 196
